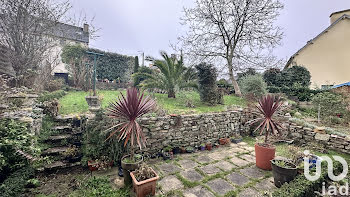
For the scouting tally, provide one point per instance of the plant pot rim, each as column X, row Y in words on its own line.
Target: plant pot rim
column 144, row 181
column 273, row 163
column 137, row 162
column 270, row 146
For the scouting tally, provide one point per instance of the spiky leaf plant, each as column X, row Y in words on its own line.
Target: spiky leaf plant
column 127, row 110
column 267, row 106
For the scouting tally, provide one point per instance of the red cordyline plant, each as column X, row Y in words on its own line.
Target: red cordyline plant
column 127, row 110
column 267, row 106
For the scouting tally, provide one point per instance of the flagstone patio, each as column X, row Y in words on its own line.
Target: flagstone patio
column 227, row 171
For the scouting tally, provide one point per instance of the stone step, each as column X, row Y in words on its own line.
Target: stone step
column 55, row 151
column 59, row 138
column 63, row 129
column 59, row 165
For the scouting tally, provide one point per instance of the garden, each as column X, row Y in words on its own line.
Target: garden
column 179, row 127
column 175, row 131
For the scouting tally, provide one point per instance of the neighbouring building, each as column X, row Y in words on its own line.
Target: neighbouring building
column 68, row 34
column 327, row 56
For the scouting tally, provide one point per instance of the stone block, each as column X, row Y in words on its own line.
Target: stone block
column 322, row 137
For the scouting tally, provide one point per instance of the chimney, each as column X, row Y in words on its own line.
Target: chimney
column 336, row 15
column 86, row 28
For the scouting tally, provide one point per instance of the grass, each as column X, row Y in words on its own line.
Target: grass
column 74, row 102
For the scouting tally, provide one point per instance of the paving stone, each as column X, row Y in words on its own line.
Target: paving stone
column 249, row 148
column 186, row 164
column 168, row 168
column 249, row 193
column 191, row 175
column 239, row 162
column 238, row 179
column 210, row 169
column 253, row 172
column 220, row 186
column 217, row 155
column 242, row 144
column 267, row 184
column 204, row 159
column 238, row 150
column 248, row 157
column 198, row 191
column 170, row 183
column 224, row 165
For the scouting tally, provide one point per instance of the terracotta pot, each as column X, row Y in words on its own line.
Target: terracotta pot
column 127, row 168
column 222, row 141
column 91, row 166
column 146, row 187
column 264, row 154
column 228, row 141
column 183, row 150
column 209, row 147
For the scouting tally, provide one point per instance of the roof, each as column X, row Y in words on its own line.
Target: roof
column 71, row 32
column 345, row 16
column 339, row 12
column 341, row 85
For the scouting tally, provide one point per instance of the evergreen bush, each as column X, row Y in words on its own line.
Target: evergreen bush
column 208, row 89
column 253, row 85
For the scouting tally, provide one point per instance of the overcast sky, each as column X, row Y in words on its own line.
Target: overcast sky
column 131, row 26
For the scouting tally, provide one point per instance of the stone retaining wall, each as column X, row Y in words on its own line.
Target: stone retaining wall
column 329, row 141
column 191, row 130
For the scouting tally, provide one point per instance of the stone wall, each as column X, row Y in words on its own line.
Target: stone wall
column 306, row 135
column 191, row 130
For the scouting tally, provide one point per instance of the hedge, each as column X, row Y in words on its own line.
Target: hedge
column 301, row 187
column 301, row 93
column 48, row 96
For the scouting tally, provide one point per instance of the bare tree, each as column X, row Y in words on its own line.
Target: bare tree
column 26, row 29
column 241, row 32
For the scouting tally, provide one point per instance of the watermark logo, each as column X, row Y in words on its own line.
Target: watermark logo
column 317, row 162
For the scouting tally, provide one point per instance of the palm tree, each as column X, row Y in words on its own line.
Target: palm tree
column 170, row 76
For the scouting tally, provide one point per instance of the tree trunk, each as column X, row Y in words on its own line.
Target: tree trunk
column 171, row 93
column 233, row 80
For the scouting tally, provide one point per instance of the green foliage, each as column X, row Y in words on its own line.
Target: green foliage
column 295, row 75
column 208, row 89
column 253, row 85
column 249, row 71
column 48, row 96
column 98, row 186
column 301, row 187
column 14, row 135
column 136, row 66
column 113, row 66
column 272, row 76
column 95, row 145
column 331, row 104
column 54, row 85
column 140, row 77
column 300, row 93
column 171, row 76
column 15, row 184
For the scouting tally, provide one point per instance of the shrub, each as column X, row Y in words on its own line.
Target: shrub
column 14, row 135
column 99, row 186
column 208, row 89
column 95, row 145
column 331, row 105
column 295, row 75
column 48, row 96
column 253, row 85
column 54, row 85
column 139, row 78
column 249, row 71
column 297, row 92
column 15, row 184
column 272, row 76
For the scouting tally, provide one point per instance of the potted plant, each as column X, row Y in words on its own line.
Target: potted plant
column 202, row 147
column 144, row 181
column 265, row 152
column 222, row 141
column 208, row 146
column 236, row 139
column 283, row 171
column 167, row 153
column 176, row 150
column 100, row 164
column 189, row 149
column 182, row 149
column 127, row 110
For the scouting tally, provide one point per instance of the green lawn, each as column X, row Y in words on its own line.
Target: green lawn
column 74, row 102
